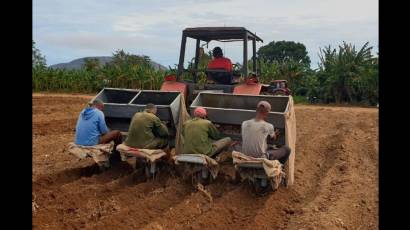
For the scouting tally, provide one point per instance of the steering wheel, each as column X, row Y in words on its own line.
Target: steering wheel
column 235, row 71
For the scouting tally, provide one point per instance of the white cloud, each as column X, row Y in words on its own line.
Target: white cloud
column 95, row 42
column 299, row 13
column 94, row 26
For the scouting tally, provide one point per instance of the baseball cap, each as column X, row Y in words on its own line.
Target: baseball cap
column 95, row 102
column 200, row 112
column 264, row 104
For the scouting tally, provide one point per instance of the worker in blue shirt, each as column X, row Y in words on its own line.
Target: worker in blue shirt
column 91, row 128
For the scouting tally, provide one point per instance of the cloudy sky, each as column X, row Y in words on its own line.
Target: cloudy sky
column 66, row 30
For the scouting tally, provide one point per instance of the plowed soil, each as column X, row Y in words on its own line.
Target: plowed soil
column 336, row 180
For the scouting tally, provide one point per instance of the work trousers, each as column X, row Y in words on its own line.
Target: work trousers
column 157, row 143
column 281, row 154
column 219, row 145
column 113, row 135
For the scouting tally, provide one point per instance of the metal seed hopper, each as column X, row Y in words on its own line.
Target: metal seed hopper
column 120, row 105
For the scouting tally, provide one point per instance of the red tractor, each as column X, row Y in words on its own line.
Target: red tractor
column 230, row 98
column 244, row 81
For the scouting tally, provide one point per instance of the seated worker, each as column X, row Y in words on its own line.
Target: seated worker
column 146, row 130
column 219, row 61
column 91, row 128
column 201, row 136
column 255, row 133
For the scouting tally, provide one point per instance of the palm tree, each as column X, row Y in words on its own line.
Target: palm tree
column 341, row 70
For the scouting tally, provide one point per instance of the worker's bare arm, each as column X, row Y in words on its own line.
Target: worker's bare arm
column 275, row 135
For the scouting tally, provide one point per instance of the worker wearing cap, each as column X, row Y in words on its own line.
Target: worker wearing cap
column 146, row 130
column 219, row 61
column 91, row 128
column 254, row 136
column 200, row 136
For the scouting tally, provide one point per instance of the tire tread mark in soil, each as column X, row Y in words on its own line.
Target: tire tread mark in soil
column 330, row 155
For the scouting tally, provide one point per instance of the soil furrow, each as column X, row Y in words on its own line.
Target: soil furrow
column 336, row 180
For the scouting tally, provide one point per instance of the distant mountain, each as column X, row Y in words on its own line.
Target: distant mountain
column 78, row 63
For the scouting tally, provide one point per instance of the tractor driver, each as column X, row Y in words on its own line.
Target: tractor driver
column 219, row 61
column 282, row 85
column 255, row 133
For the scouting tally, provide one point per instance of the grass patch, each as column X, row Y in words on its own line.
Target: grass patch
column 300, row 99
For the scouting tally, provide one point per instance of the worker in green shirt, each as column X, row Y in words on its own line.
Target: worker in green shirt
column 146, row 130
column 200, row 136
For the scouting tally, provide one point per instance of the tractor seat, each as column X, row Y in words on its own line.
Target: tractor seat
column 220, row 76
column 151, row 155
column 192, row 158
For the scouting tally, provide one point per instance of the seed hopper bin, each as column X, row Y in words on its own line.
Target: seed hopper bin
column 228, row 111
column 120, row 105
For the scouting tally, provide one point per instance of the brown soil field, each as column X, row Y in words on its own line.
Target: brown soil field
column 336, row 180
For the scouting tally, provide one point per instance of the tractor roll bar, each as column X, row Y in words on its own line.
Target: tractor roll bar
column 224, row 34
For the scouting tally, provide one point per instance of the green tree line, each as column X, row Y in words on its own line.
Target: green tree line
column 344, row 74
column 125, row 71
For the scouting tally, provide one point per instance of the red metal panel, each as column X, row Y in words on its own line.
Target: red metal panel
column 174, row 86
column 252, row 89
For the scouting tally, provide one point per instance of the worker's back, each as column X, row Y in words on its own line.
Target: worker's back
column 220, row 63
column 90, row 126
column 254, row 134
column 144, row 128
column 197, row 135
